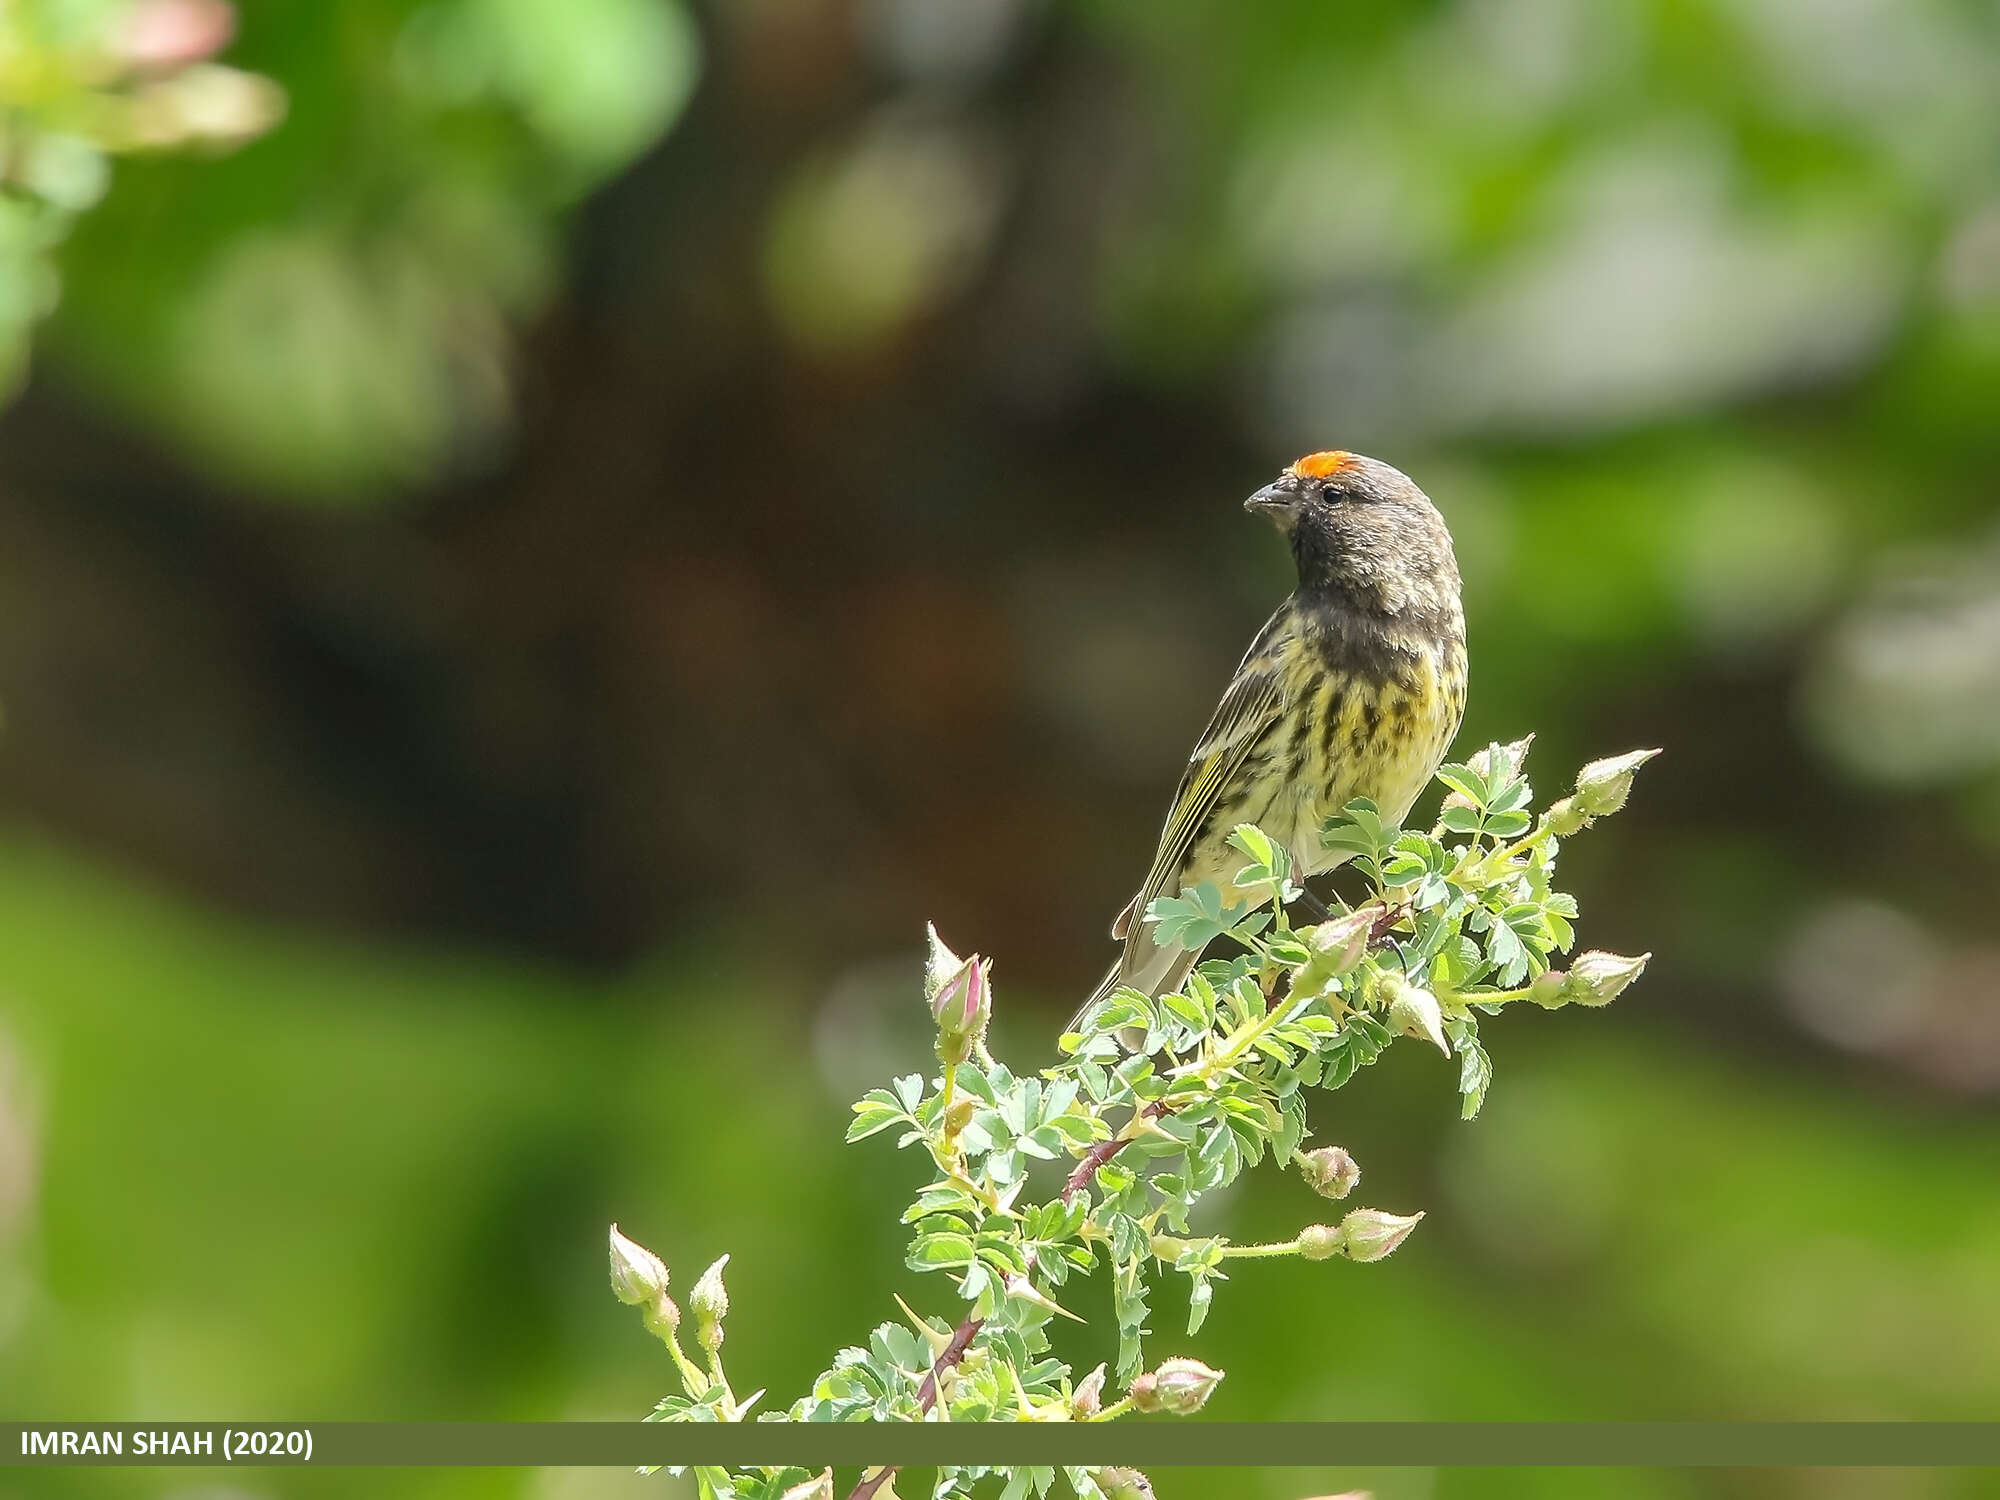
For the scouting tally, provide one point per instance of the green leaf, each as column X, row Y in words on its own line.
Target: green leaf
column 970, row 1080
column 1475, row 1068
column 1359, row 831
column 1288, row 950
column 1123, row 1007
column 1017, row 1104
column 1200, row 1293
column 999, row 1251
column 900, row 1348
column 1248, row 838
column 1075, row 1128
column 1509, row 955
column 1466, row 781
column 1401, row 869
column 1096, row 1081
column 1359, row 1043
column 1044, row 1143
column 1194, row 919
column 1056, row 1099
column 1461, row 819
column 939, row 1197
column 876, row 1111
column 1561, row 935
column 935, row 1251
column 978, row 1135
column 1186, row 1010
column 1291, row 1130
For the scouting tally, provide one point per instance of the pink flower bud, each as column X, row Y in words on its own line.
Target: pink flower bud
column 1329, row 1171
column 1180, row 1387
column 1124, row 1484
column 1603, row 785
column 1088, row 1397
column 1598, row 978
column 1414, row 1011
column 709, row 1302
column 1546, row 989
column 1369, row 1234
column 1339, row 943
column 961, row 1001
column 1320, row 1242
column 637, row 1275
column 1564, row 817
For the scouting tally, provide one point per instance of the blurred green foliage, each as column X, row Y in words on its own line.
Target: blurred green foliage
column 79, row 80
column 330, row 313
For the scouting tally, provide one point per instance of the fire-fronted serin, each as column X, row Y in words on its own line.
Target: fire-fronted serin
column 1354, row 688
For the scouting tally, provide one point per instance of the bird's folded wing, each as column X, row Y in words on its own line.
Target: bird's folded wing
column 1254, row 702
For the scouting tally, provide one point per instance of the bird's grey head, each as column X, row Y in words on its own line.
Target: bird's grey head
column 1363, row 531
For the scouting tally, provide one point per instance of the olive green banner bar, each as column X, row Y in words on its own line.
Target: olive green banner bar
column 1148, row 1444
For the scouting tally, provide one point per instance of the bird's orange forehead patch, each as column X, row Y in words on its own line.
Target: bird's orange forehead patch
column 1323, row 465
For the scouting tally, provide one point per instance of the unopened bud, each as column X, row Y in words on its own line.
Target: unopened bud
column 1603, row 785
column 1180, row 1387
column 960, row 1005
column 963, row 1108
column 709, row 1302
column 1369, row 1234
column 1546, row 990
column 1511, row 759
column 1599, row 978
column 1339, row 943
column 662, row 1316
column 819, row 1487
column 1414, row 1011
column 1124, row 1484
column 1564, row 817
column 1088, row 1397
column 637, row 1275
column 1320, row 1242
column 940, row 963
column 1329, row 1171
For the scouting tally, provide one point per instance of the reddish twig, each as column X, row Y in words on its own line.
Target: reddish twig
column 1103, row 1151
column 1378, row 932
column 927, row 1396
column 948, row 1357
column 1094, row 1158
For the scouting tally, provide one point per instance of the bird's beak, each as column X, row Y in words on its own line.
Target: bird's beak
column 1274, row 500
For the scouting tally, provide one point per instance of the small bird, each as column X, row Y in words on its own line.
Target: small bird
column 1353, row 688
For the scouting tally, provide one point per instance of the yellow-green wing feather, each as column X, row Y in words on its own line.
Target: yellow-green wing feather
column 1255, row 700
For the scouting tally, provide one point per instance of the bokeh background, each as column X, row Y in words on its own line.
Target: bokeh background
column 540, row 542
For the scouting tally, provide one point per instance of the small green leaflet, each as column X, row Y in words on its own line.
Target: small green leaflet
column 1475, row 1068
column 1198, row 917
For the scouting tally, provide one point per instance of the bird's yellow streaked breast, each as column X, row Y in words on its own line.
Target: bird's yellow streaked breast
column 1377, row 726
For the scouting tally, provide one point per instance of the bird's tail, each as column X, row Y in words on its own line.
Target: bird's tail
column 1160, row 971
column 1113, row 978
